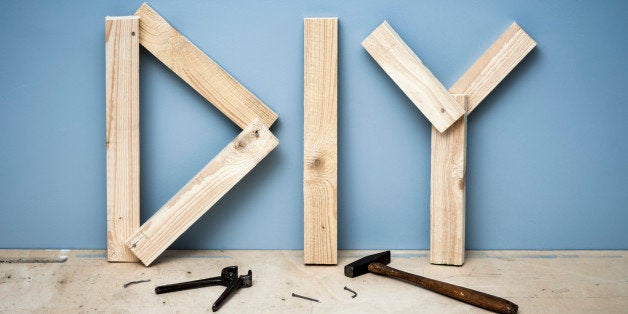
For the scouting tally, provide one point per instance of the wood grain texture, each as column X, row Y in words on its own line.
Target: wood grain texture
column 412, row 76
column 122, row 134
column 320, row 140
column 447, row 208
column 202, row 192
column 447, row 196
column 493, row 66
column 200, row 71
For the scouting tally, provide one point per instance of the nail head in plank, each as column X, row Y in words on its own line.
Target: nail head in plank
column 202, row 192
column 122, row 134
column 320, row 140
column 494, row 65
column 200, row 71
column 412, row 76
column 447, row 199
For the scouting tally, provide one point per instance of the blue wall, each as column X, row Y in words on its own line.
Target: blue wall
column 547, row 150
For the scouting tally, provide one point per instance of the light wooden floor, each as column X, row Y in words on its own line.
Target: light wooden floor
column 83, row 281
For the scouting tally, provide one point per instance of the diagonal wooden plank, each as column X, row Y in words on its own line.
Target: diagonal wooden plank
column 447, row 199
column 320, row 140
column 122, row 134
column 202, row 192
column 493, row 66
column 200, row 71
column 412, row 76
column 447, row 192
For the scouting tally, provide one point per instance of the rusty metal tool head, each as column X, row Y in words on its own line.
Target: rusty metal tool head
column 228, row 278
column 376, row 263
column 243, row 281
column 360, row 267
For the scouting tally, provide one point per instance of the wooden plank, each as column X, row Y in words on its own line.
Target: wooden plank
column 447, row 197
column 412, row 76
column 447, row 200
column 200, row 71
column 320, row 140
column 494, row 65
column 122, row 134
column 202, row 192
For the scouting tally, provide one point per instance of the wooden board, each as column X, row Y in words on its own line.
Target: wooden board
column 320, row 140
column 412, row 76
column 538, row 281
column 447, row 196
column 122, row 134
column 200, row 71
column 447, row 236
column 202, row 192
column 494, row 65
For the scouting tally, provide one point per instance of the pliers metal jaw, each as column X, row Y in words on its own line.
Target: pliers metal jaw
column 228, row 278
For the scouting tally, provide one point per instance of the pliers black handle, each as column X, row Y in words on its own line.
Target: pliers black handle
column 228, row 278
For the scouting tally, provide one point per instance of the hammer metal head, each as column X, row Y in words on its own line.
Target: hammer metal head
column 361, row 266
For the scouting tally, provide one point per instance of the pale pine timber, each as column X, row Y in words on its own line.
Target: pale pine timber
column 447, row 239
column 200, row 71
column 408, row 71
column 320, row 140
column 447, row 189
column 202, row 192
column 493, row 66
column 122, row 134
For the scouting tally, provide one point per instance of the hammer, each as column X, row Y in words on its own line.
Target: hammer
column 376, row 263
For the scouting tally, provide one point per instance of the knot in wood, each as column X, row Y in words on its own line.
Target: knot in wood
column 315, row 163
column 238, row 145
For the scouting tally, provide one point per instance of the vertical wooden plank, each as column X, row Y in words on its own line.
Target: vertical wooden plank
column 447, row 199
column 320, row 140
column 494, row 65
column 202, row 192
column 200, row 72
column 122, row 134
column 448, row 158
column 412, row 76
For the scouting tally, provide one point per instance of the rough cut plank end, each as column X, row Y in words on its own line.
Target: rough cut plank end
column 518, row 28
column 117, row 18
column 447, row 199
column 321, row 18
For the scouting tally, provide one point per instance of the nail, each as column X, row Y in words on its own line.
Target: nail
column 306, row 298
column 355, row 294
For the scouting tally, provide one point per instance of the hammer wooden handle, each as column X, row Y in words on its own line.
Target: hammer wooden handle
column 473, row 297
